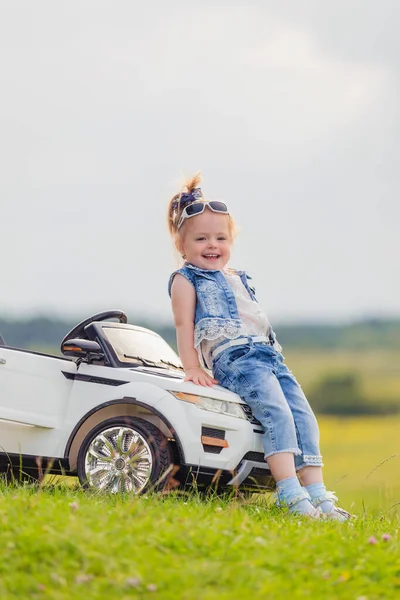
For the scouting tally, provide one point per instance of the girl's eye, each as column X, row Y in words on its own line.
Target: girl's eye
column 200, row 239
column 222, row 238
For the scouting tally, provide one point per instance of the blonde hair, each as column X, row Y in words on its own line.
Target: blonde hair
column 175, row 211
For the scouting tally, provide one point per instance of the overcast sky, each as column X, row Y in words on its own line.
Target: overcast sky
column 290, row 109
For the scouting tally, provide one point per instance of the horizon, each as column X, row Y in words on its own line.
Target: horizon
column 152, row 319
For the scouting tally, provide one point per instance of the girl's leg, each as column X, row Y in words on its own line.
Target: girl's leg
column 310, row 475
column 246, row 371
column 282, row 465
column 309, row 465
column 307, row 430
column 251, row 377
column 289, row 491
column 312, row 480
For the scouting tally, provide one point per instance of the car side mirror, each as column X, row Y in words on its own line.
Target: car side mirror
column 82, row 349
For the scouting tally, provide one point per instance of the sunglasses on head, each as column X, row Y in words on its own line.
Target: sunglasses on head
column 196, row 208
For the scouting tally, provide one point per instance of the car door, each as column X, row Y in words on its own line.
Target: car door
column 33, row 388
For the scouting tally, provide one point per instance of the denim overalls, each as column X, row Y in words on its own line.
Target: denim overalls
column 255, row 371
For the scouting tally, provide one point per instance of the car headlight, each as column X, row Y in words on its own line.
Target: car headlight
column 223, row 407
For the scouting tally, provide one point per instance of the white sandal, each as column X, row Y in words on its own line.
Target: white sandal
column 315, row 513
column 336, row 513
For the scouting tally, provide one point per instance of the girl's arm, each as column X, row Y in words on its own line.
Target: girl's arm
column 183, row 298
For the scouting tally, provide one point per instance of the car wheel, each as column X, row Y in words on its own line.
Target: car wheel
column 124, row 454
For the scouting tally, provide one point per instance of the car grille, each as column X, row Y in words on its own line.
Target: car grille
column 247, row 410
column 260, row 480
column 259, row 477
column 214, row 433
column 254, row 456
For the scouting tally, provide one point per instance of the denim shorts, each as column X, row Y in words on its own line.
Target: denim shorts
column 257, row 373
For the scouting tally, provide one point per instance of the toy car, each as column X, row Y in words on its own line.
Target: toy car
column 115, row 411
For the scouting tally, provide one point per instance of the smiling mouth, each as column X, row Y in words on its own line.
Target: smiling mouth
column 211, row 256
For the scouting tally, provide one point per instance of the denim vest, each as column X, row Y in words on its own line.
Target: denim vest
column 216, row 310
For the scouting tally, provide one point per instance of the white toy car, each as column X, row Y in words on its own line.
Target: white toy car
column 115, row 411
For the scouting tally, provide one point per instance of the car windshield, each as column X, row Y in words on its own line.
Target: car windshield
column 141, row 347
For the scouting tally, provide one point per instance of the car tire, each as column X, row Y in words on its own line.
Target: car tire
column 124, row 455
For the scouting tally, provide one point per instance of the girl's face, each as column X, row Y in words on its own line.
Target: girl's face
column 206, row 241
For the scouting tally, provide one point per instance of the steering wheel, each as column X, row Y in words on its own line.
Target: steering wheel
column 79, row 330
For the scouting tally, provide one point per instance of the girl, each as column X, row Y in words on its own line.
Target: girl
column 220, row 327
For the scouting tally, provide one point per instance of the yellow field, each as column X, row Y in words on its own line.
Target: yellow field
column 362, row 462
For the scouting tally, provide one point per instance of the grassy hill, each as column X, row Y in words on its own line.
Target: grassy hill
column 59, row 542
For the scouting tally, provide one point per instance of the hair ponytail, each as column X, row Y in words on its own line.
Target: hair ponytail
column 174, row 207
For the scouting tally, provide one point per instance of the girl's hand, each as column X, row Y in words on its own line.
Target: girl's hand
column 199, row 377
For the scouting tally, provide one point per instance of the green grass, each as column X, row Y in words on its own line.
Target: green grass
column 58, row 542
column 68, row 544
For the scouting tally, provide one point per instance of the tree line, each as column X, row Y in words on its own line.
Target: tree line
column 41, row 332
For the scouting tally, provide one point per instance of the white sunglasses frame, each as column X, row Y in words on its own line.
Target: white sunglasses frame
column 185, row 216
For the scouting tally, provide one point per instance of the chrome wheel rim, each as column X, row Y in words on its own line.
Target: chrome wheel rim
column 118, row 460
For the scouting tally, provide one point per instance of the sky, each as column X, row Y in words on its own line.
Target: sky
column 291, row 110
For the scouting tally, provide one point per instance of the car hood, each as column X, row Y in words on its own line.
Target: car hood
column 173, row 381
